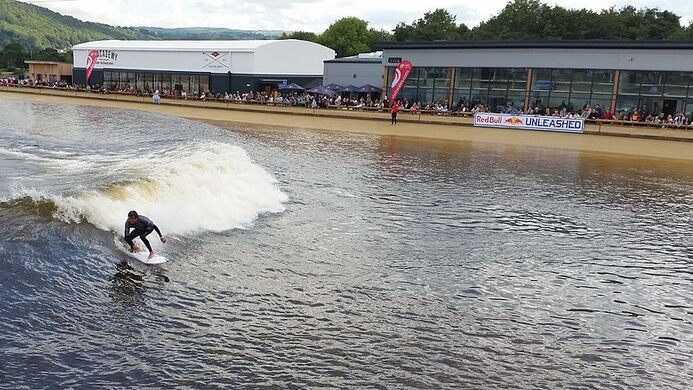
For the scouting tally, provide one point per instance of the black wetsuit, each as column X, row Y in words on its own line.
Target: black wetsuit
column 143, row 226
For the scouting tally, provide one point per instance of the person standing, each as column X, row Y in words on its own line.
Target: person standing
column 393, row 111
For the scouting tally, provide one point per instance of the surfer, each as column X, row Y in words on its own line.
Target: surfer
column 143, row 226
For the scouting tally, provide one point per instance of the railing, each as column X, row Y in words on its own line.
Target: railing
column 419, row 113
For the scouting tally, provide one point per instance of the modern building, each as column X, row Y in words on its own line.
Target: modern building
column 217, row 66
column 619, row 75
column 358, row 70
column 50, row 71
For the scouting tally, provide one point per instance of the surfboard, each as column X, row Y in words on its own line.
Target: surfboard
column 142, row 256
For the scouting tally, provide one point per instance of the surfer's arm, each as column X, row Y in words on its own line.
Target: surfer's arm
column 127, row 229
column 161, row 237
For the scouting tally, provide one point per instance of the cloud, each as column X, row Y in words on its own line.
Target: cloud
column 304, row 15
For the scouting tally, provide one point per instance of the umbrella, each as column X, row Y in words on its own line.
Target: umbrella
column 333, row 87
column 349, row 88
column 290, row 87
column 368, row 88
column 321, row 91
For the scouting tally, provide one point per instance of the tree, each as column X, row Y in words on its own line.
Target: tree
column 48, row 54
column 302, row 35
column 13, row 56
column 435, row 25
column 347, row 36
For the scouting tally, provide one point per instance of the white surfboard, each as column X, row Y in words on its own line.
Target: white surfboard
column 142, row 256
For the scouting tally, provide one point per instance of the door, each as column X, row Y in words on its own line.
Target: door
column 669, row 107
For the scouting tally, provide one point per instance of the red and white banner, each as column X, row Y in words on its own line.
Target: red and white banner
column 401, row 73
column 91, row 62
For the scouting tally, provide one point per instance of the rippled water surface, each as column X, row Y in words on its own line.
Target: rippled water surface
column 305, row 259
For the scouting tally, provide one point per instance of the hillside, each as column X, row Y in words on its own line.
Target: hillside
column 35, row 28
column 207, row 33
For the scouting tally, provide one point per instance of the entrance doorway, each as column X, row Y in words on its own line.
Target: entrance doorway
column 669, row 107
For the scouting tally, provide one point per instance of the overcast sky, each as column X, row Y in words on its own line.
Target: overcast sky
column 304, row 15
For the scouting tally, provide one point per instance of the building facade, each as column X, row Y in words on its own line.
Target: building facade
column 361, row 69
column 199, row 66
column 50, row 71
column 619, row 75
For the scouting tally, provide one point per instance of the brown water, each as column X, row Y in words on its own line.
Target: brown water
column 301, row 259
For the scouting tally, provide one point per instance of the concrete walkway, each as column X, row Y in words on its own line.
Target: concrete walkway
column 632, row 131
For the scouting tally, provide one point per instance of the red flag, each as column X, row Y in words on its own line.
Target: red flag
column 401, row 73
column 91, row 62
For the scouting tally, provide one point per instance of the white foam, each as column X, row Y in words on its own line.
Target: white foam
column 211, row 187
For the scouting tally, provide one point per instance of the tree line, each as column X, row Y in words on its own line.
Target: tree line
column 519, row 20
column 13, row 55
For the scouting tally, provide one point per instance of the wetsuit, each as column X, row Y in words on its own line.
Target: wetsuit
column 143, row 226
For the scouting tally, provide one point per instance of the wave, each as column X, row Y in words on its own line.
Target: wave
column 210, row 186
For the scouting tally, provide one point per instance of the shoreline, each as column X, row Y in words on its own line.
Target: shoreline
column 614, row 140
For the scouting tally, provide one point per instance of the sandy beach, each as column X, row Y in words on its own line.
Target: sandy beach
column 621, row 140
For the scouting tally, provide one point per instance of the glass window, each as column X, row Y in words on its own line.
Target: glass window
column 185, row 82
column 560, row 80
column 461, row 96
column 602, row 99
column 165, row 81
column 443, row 76
column 582, row 80
column 517, row 79
column 148, row 81
column 516, row 98
column 578, row 100
column 204, row 83
column 539, row 99
column 463, row 78
column 676, row 84
column 559, row 99
column 652, row 83
column 626, row 104
column 629, row 83
column 541, row 80
column 603, row 81
column 195, row 83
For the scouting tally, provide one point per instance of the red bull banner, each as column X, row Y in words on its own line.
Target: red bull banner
column 91, row 62
column 529, row 122
column 401, row 73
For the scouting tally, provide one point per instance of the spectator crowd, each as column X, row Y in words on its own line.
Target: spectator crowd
column 373, row 101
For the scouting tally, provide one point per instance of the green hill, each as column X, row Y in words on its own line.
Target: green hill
column 207, row 33
column 36, row 28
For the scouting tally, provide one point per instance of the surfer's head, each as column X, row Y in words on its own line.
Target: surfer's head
column 132, row 216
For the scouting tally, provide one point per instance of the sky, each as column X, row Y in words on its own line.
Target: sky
column 305, row 15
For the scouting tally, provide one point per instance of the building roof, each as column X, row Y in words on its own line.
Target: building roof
column 356, row 59
column 236, row 45
column 564, row 44
column 38, row 62
column 375, row 57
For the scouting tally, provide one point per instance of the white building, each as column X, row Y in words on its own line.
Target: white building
column 218, row 66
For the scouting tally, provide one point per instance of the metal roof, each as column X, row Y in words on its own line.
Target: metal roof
column 356, row 59
column 239, row 45
column 564, row 44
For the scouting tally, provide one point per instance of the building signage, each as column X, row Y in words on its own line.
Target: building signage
column 394, row 60
column 529, row 122
column 215, row 60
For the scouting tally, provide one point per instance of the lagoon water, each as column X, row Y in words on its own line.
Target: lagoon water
column 303, row 259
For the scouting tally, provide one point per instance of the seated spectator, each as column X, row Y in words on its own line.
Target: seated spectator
column 635, row 116
column 607, row 115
